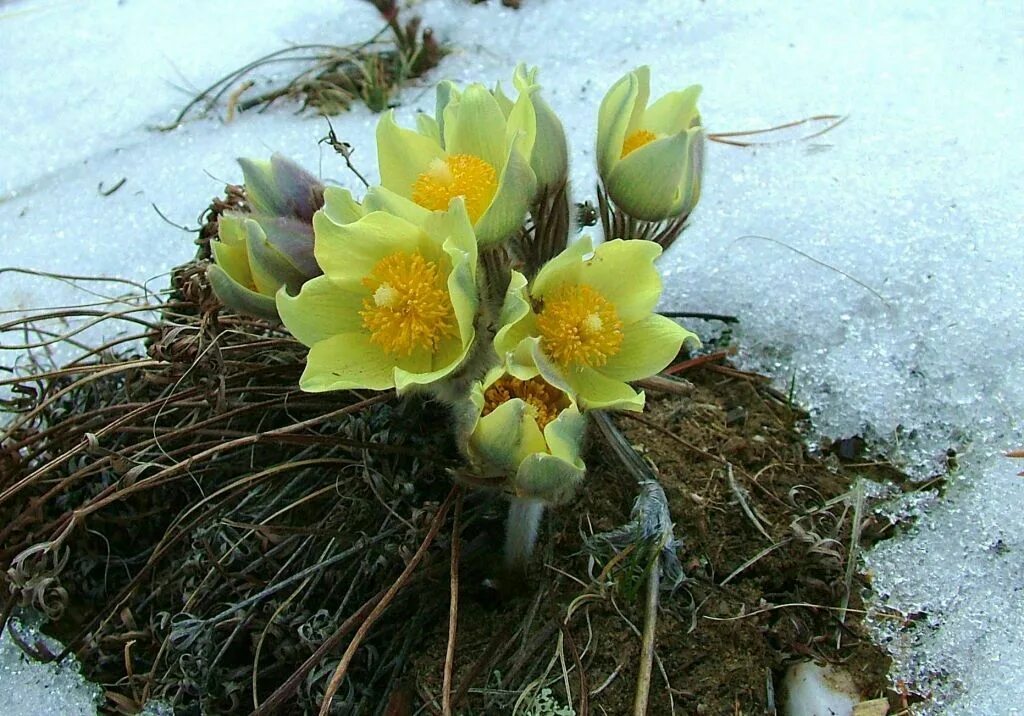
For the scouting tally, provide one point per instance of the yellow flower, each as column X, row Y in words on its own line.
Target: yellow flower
column 650, row 158
column 587, row 323
column 528, row 431
column 396, row 304
column 549, row 158
column 257, row 253
column 470, row 150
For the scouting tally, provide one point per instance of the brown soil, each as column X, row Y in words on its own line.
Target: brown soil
column 722, row 643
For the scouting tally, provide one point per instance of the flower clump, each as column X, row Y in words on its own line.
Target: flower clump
column 457, row 275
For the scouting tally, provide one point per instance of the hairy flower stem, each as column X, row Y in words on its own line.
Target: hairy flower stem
column 493, row 277
column 547, row 234
column 492, row 283
column 521, row 533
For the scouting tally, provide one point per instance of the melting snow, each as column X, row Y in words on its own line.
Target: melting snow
column 912, row 338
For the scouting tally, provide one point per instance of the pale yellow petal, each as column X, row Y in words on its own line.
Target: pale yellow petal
column 623, row 272
column 340, row 206
column 322, row 309
column 595, row 391
column 402, row 155
column 516, row 188
column 648, row 346
column 563, row 269
column 646, row 184
column 346, row 361
column 675, row 112
column 238, row 297
column 352, row 250
column 475, row 125
column 547, row 478
column 613, row 122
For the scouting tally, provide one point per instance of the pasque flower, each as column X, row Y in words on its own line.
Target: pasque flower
column 470, row 149
column 586, row 323
column 528, row 432
column 549, row 158
column 396, row 304
column 650, row 159
column 272, row 246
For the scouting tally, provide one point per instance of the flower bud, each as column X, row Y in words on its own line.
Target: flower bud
column 280, row 187
column 271, row 246
column 650, row 159
column 550, row 156
column 528, row 433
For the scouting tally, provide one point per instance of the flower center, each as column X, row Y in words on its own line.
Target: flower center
column 636, row 140
column 544, row 401
column 409, row 306
column 579, row 326
column 459, row 175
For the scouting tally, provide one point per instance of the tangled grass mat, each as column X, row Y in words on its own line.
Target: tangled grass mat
column 198, row 530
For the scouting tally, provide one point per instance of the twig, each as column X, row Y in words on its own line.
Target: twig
column 824, row 264
column 675, row 386
column 725, row 137
column 342, row 148
column 741, row 374
column 233, row 99
column 722, row 317
column 382, row 605
column 584, row 687
column 753, row 560
column 643, row 679
column 699, row 361
column 741, row 496
column 1016, row 453
column 851, row 557
column 286, row 690
column 111, row 190
column 453, row 611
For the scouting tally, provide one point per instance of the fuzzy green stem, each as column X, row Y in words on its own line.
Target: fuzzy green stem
column 521, row 532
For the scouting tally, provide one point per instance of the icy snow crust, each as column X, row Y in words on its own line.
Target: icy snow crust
column 31, row 688
column 918, row 196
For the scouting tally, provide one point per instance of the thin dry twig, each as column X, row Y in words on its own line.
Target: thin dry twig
column 453, row 611
column 643, row 679
column 834, row 120
column 692, row 363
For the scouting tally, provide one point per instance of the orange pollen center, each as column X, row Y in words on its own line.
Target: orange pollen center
column 462, row 175
column 544, row 401
column 409, row 306
column 636, row 140
column 579, row 327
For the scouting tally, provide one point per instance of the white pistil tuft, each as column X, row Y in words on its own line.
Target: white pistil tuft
column 385, row 296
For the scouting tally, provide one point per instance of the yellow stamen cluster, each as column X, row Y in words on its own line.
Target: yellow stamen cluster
column 462, row 175
column 636, row 140
column 578, row 326
column 409, row 306
column 544, row 401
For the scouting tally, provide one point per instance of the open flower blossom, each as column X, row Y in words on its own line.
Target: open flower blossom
column 549, row 158
column 469, row 150
column 396, row 304
column 586, row 323
column 272, row 246
column 650, row 158
column 527, row 431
